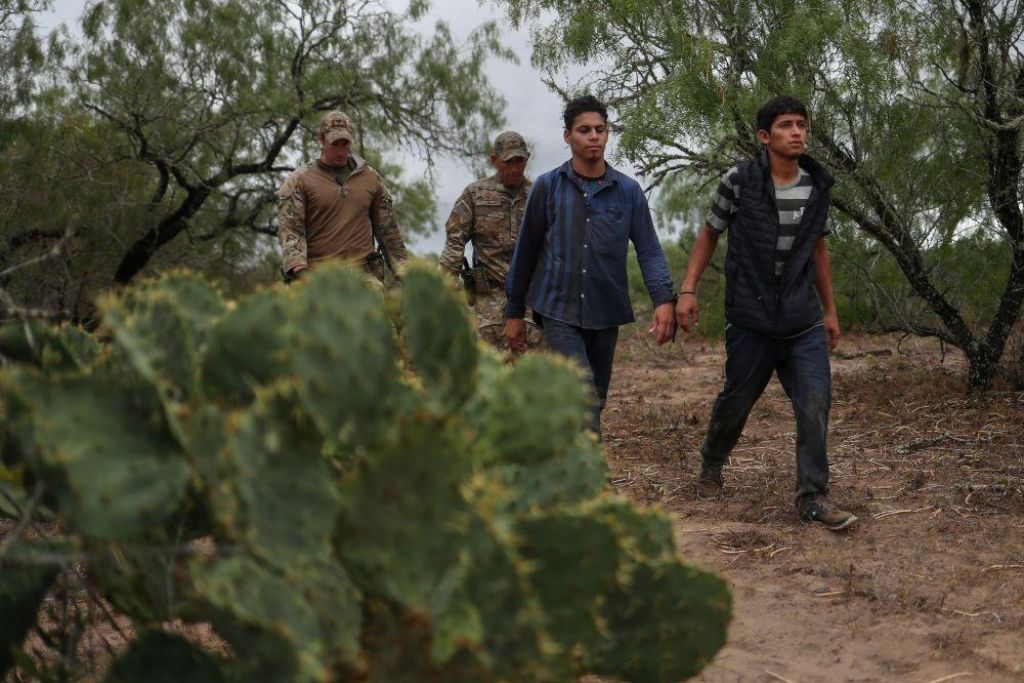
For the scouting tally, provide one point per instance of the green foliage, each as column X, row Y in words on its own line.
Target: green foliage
column 711, row 292
column 353, row 506
column 21, row 51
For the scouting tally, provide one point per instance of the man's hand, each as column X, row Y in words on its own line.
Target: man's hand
column 663, row 324
column 832, row 329
column 686, row 311
column 515, row 333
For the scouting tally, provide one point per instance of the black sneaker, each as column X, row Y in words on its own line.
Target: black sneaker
column 709, row 483
column 821, row 510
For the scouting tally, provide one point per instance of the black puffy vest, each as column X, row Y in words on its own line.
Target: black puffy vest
column 755, row 298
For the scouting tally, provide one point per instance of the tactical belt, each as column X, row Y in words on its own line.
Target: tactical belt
column 489, row 287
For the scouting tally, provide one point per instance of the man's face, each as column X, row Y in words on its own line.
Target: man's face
column 510, row 171
column 588, row 136
column 335, row 153
column 788, row 136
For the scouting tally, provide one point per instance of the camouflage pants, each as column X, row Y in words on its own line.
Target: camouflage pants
column 490, row 322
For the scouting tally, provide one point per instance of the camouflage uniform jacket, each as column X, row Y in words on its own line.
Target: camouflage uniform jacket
column 487, row 214
column 320, row 220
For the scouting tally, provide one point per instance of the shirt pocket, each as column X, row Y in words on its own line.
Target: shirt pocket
column 492, row 223
column 610, row 231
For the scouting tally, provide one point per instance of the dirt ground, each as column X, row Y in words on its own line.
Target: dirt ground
column 928, row 587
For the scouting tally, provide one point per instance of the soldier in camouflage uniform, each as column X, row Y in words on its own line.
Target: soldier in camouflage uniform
column 335, row 207
column 488, row 214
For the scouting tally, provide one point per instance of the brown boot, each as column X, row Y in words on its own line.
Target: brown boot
column 819, row 509
column 709, row 483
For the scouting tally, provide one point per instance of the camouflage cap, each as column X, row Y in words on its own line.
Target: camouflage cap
column 334, row 126
column 510, row 145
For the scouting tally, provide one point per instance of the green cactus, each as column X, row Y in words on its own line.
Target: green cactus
column 403, row 516
column 341, row 352
column 107, row 455
column 514, row 641
column 574, row 476
column 61, row 348
column 157, row 342
column 575, row 565
column 83, row 347
column 273, row 629
column 245, row 349
column 23, row 585
column 536, row 411
column 283, row 494
column 668, row 608
column 342, row 505
column 198, row 302
column 442, row 347
column 327, row 587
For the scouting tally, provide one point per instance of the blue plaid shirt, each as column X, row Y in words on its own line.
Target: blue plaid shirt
column 570, row 258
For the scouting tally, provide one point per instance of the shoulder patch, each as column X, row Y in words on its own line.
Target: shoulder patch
column 462, row 209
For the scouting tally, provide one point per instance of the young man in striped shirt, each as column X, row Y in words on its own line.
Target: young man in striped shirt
column 777, row 268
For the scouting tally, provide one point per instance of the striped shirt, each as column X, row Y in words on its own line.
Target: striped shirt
column 789, row 199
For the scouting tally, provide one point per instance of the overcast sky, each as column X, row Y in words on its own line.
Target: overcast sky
column 533, row 110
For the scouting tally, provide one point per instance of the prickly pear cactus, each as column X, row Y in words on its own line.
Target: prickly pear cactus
column 340, row 502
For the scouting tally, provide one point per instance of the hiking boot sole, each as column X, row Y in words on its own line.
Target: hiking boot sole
column 838, row 526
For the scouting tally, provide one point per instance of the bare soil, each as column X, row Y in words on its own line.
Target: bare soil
column 929, row 585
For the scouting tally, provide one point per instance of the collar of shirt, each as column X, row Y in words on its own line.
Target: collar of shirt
column 611, row 176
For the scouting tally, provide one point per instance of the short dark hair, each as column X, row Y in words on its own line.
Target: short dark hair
column 783, row 104
column 581, row 105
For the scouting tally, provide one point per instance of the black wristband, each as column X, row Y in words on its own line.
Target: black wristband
column 686, row 292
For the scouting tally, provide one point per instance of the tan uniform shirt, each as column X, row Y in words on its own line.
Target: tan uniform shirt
column 488, row 214
column 319, row 220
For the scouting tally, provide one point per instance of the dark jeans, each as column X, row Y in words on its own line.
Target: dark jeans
column 592, row 350
column 803, row 369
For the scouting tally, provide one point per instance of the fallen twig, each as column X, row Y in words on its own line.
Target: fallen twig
column 951, row 677
column 890, row 513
